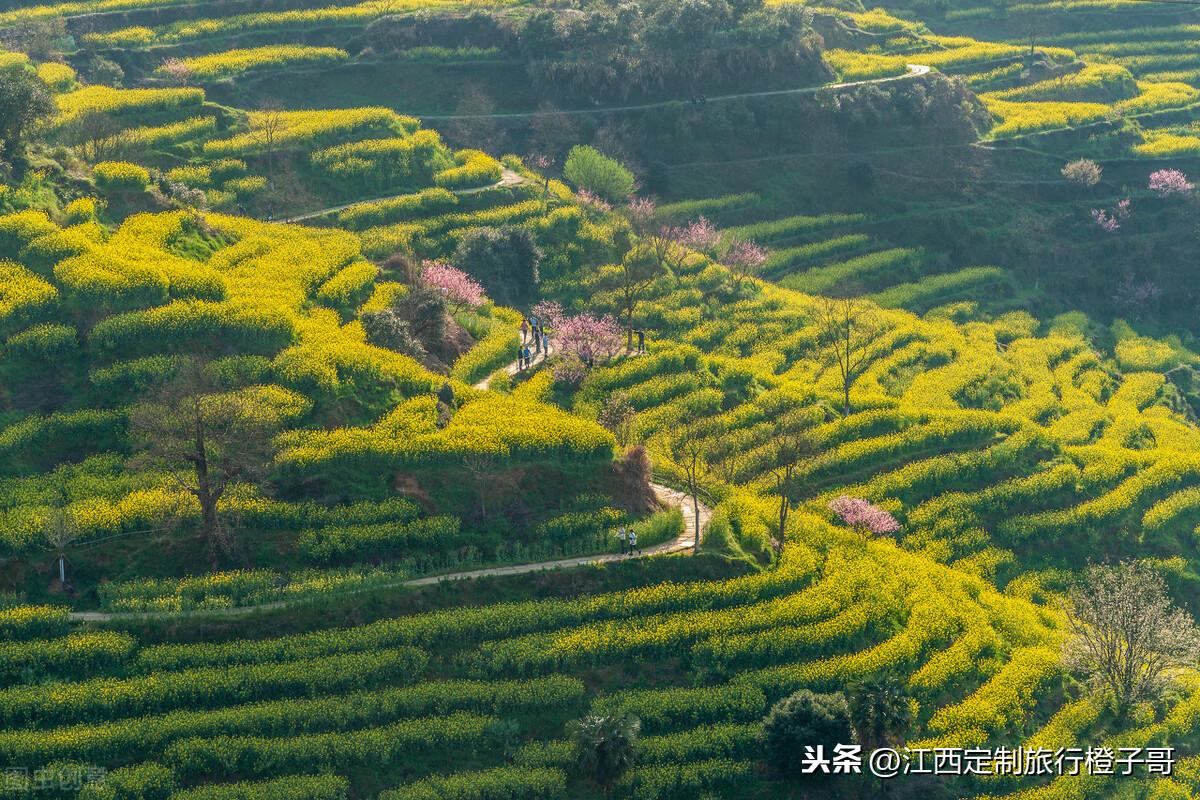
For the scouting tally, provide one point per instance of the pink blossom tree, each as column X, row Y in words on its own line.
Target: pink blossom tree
column 593, row 200
column 1167, row 182
column 588, row 338
column 699, row 235
column 1104, row 220
column 176, row 71
column 460, row 290
column 550, row 312
column 859, row 513
column 640, row 213
column 1137, row 295
column 744, row 258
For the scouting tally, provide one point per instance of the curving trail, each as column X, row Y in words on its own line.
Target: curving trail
column 510, row 178
column 667, row 496
column 914, row 70
column 507, row 178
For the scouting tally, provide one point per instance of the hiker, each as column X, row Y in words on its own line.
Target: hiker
column 545, row 343
column 633, row 541
column 528, row 358
column 622, row 537
column 537, row 341
column 524, row 329
column 641, row 340
column 520, row 358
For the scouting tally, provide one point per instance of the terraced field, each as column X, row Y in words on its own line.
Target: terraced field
column 139, row 258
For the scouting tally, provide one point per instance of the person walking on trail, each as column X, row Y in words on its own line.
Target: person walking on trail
column 633, row 541
column 622, row 537
column 537, row 341
column 524, row 329
column 641, row 341
column 520, row 358
column 545, row 343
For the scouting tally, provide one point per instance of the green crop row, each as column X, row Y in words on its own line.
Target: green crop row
column 205, row 687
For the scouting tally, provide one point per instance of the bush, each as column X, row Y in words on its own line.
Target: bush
column 295, row 787
column 119, row 176
column 503, row 783
column 589, row 169
column 34, row 622
column 475, row 168
column 186, row 326
column 804, row 719
column 141, row 782
column 328, row 544
column 505, row 260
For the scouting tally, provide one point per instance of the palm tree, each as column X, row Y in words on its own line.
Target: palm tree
column 881, row 713
column 605, row 748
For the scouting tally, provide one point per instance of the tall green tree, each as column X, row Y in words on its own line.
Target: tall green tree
column 588, row 168
column 505, row 260
column 206, row 440
column 605, row 748
column 25, row 100
column 881, row 712
column 805, row 719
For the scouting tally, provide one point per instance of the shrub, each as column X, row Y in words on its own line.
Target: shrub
column 804, row 719
column 293, row 787
column 118, row 176
column 505, row 260
column 234, row 755
column 187, row 325
column 34, row 622
column 198, row 688
column 1082, row 172
column 141, row 782
column 502, row 783
column 328, row 544
column 24, row 297
column 588, row 168
column 475, row 168
column 83, row 209
column 234, row 62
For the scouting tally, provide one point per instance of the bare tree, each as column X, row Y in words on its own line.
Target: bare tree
column 617, row 416
column 847, row 329
column 1127, row 636
column 688, row 450
column 636, row 273
column 61, row 532
column 482, row 469
column 793, row 447
column 96, row 136
column 206, row 440
column 267, row 127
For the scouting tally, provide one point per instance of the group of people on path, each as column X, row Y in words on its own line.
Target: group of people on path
column 628, row 540
column 534, row 342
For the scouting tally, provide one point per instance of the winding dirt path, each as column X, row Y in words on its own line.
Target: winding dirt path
column 507, row 178
column 914, row 70
column 671, row 498
column 668, row 497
